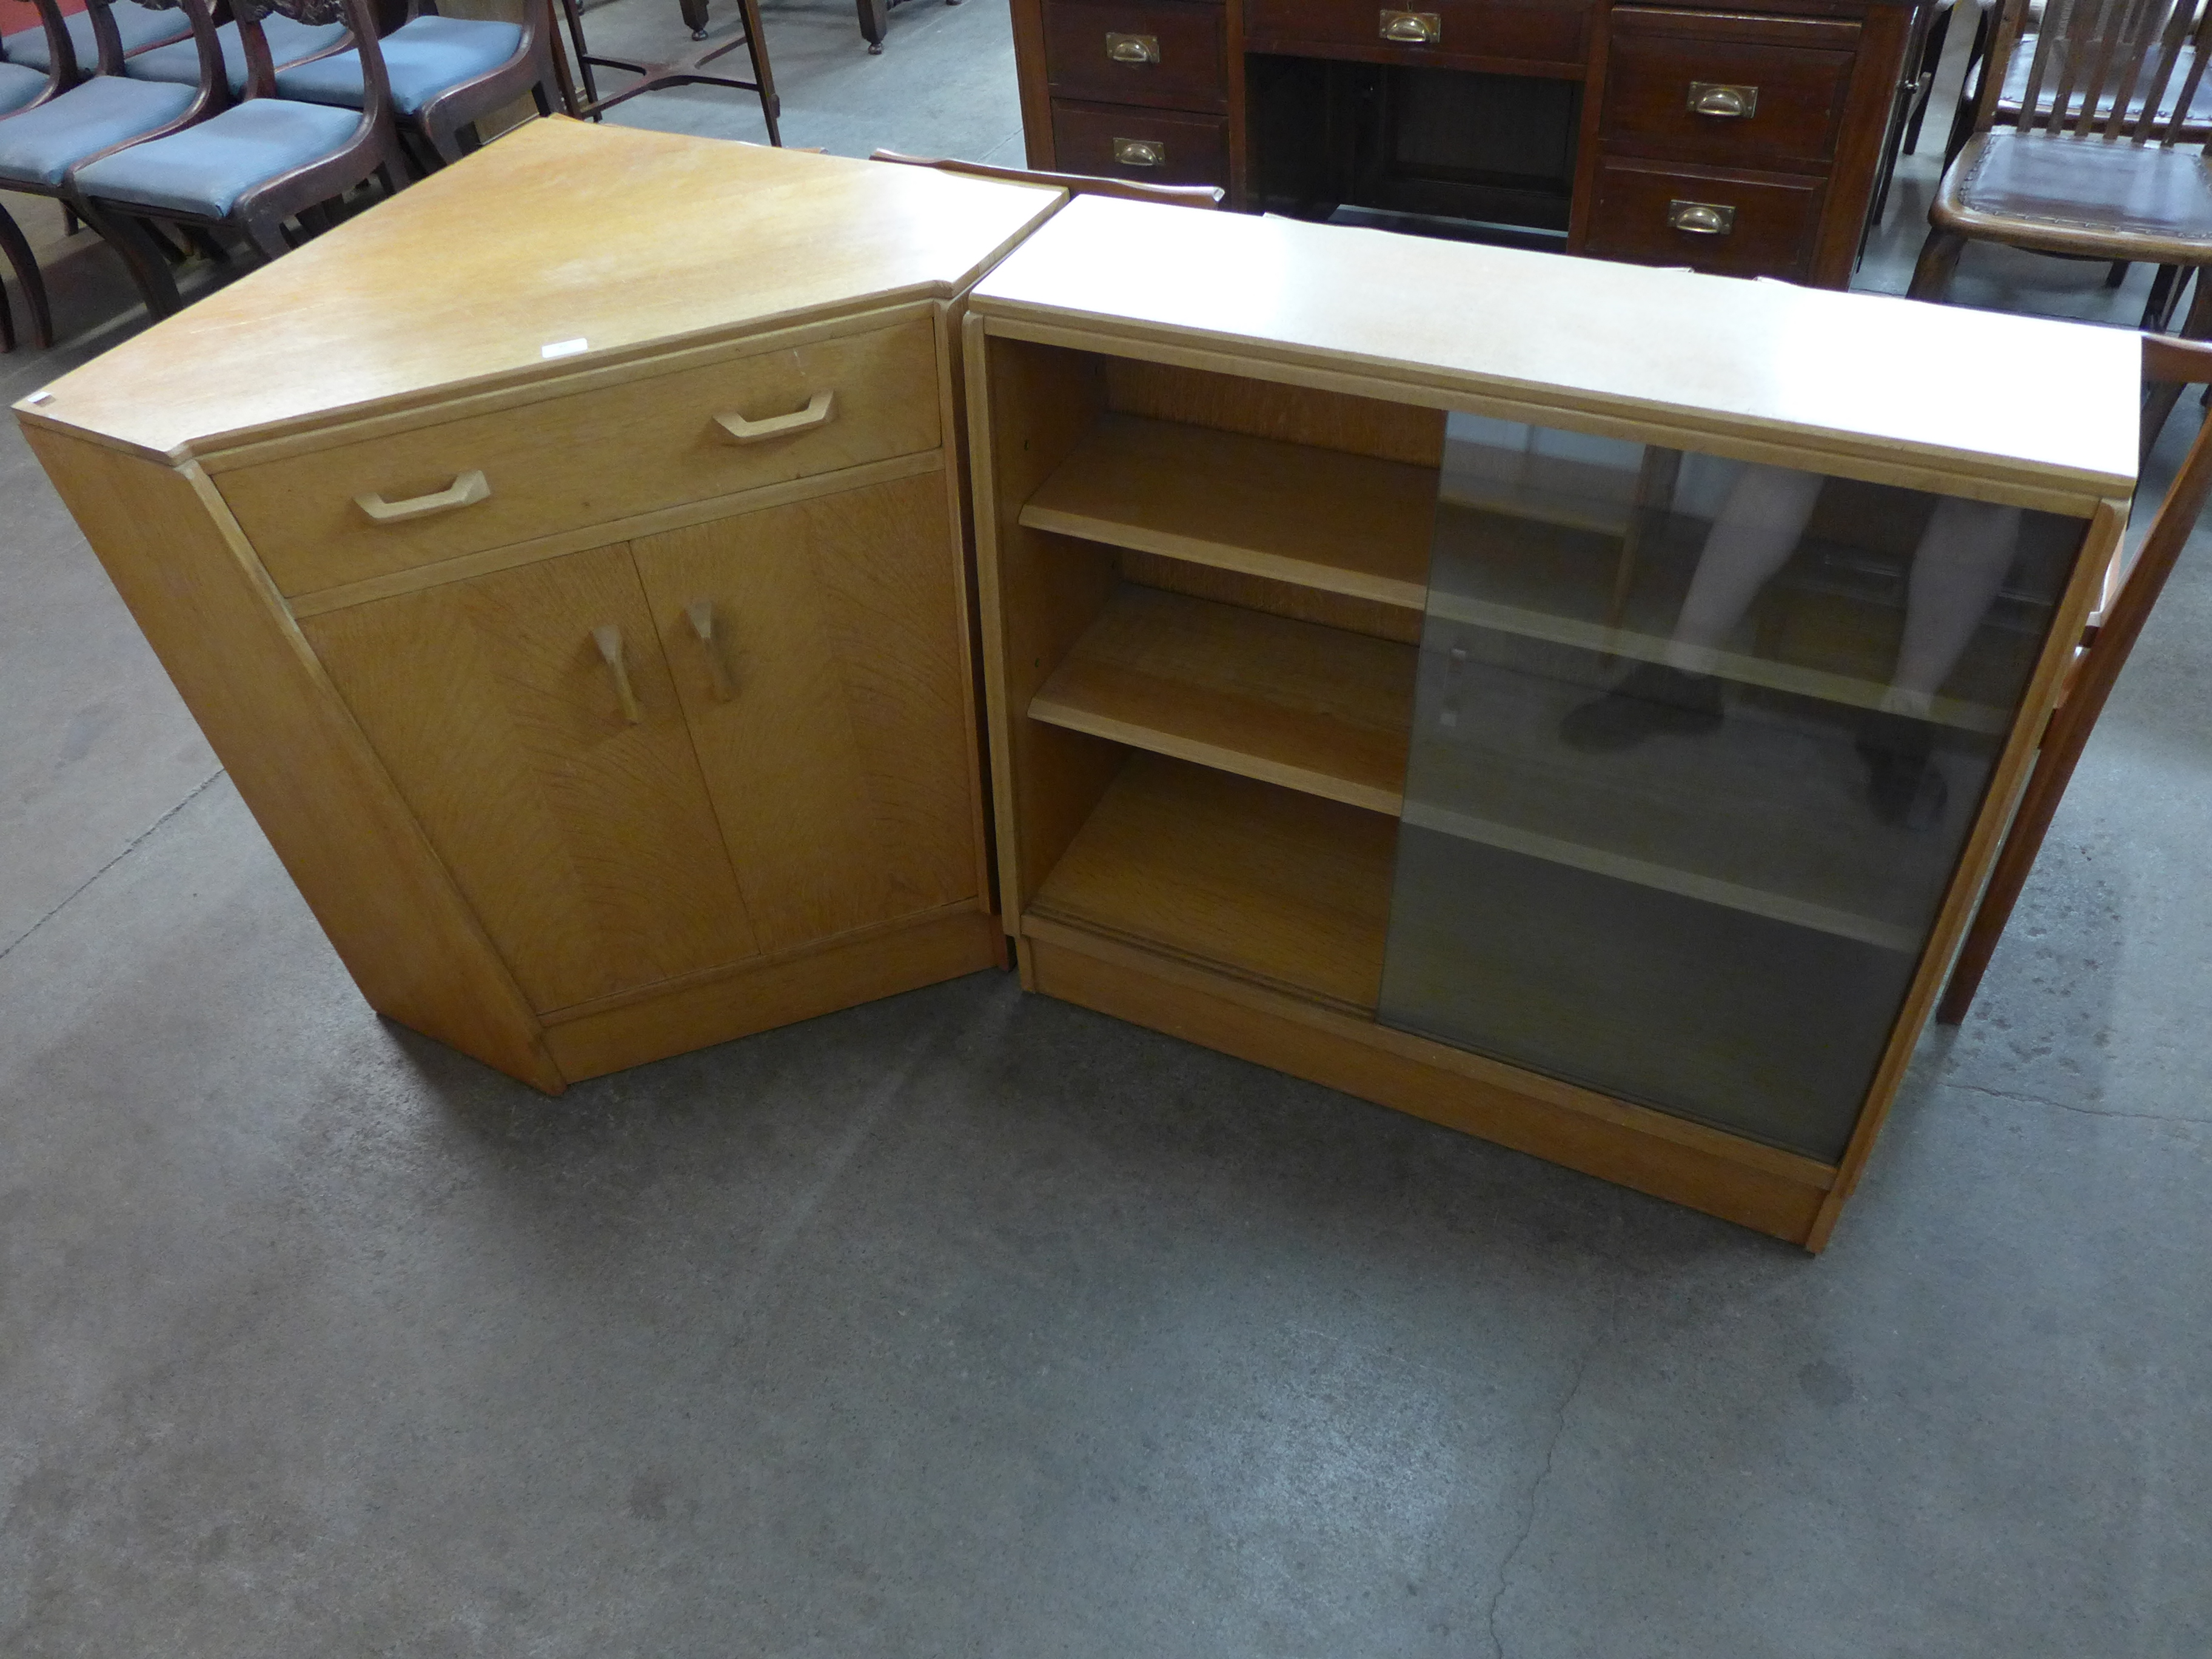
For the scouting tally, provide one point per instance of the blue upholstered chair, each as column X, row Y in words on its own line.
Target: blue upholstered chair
column 446, row 73
column 251, row 165
column 85, row 116
column 288, row 44
column 136, row 30
column 21, row 87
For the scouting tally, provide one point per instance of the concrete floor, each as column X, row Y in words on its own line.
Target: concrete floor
column 966, row 1324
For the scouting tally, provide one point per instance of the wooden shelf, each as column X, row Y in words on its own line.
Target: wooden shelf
column 1284, row 889
column 1546, row 581
column 1294, row 704
column 1320, row 518
column 1766, row 814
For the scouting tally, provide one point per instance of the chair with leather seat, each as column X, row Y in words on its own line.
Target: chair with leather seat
column 250, row 166
column 87, row 117
column 2096, row 167
column 445, row 73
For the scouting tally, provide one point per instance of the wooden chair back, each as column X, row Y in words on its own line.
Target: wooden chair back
column 1075, row 184
column 63, row 71
column 2168, row 365
column 2102, row 69
column 359, row 17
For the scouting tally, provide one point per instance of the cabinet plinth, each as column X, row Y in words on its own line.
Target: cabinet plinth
column 596, row 657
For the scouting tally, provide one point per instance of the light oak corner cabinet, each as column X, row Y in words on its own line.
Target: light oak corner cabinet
column 1575, row 703
column 566, row 558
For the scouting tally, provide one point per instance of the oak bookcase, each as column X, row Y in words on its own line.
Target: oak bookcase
column 1298, row 543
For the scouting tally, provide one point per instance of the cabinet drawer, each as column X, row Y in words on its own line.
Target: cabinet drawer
column 1761, row 227
column 1746, row 92
column 1163, row 54
column 1158, row 146
column 582, row 460
column 1549, row 35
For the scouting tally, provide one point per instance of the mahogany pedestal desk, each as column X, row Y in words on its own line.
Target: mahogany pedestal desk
column 566, row 559
column 1307, row 608
column 1744, row 138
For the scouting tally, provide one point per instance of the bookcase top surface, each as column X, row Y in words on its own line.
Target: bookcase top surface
column 559, row 233
column 2025, row 404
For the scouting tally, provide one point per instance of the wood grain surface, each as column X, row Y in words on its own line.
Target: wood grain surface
column 626, row 240
column 837, row 761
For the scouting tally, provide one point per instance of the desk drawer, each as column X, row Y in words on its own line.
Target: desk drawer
column 1733, row 91
column 1755, row 227
column 1538, row 36
column 570, row 461
column 1115, row 143
column 1163, row 54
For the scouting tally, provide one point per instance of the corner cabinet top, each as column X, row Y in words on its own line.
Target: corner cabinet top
column 563, row 245
column 1972, row 403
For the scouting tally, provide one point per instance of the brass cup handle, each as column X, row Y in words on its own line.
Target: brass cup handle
column 1412, row 28
column 1140, row 153
column 607, row 638
column 1727, row 103
column 820, row 409
column 1133, row 48
column 465, row 491
column 700, row 613
column 1701, row 218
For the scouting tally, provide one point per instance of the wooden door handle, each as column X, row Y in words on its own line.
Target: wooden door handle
column 465, row 491
column 820, row 408
column 607, row 638
column 701, row 614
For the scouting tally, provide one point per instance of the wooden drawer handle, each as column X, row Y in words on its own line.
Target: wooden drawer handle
column 1133, row 48
column 465, row 491
column 1701, row 218
column 700, row 615
column 607, row 638
column 1728, row 103
column 818, row 412
column 1140, row 153
column 1412, row 28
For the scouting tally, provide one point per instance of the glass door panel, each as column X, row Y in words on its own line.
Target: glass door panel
column 1696, row 747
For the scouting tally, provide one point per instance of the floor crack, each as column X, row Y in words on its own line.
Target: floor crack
column 135, row 842
column 2065, row 1106
column 1543, row 1478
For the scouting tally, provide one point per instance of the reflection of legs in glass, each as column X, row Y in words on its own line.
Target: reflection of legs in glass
column 1962, row 557
column 1753, row 537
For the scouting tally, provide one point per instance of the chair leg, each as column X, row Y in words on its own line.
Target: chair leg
column 2158, row 309
column 18, row 249
column 574, row 14
column 1931, row 59
column 267, row 234
column 1939, row 260
column 875, row 22
column 143, row 254
column 763, row 77
column 7, row 321
column 2118, row 274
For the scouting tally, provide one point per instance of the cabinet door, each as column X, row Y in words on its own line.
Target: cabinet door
column 582, row 835
column 830, row 700
column 1696, row 750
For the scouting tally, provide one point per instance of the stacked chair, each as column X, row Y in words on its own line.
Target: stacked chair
column 81, row 117
column 256, row 124
column 250, row 162
column 445, row 74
